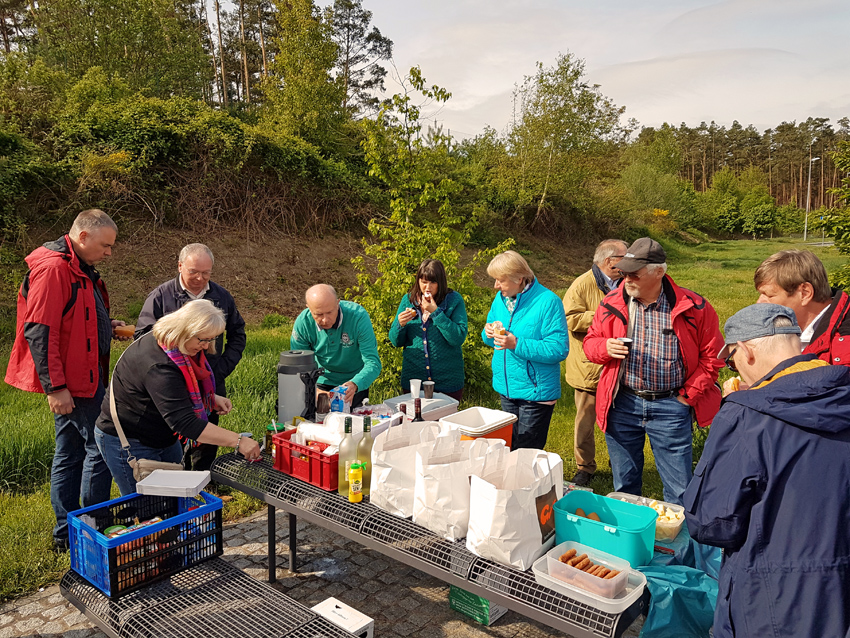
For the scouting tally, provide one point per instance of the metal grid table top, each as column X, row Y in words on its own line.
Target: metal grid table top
column 405, row 536
column 211, row 599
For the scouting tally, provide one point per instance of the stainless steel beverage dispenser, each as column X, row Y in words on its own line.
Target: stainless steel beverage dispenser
column 296, row 385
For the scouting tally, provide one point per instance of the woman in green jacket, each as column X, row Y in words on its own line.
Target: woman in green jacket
column 431, row 327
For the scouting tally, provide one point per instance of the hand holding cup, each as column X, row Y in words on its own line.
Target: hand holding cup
column 618, row 348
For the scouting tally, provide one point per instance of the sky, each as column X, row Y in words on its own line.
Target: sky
column 760, row 62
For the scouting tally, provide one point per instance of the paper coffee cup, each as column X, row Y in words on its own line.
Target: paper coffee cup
column 415, row 386
column 626, row 342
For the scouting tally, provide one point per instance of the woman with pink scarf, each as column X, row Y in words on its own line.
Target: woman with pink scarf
column 164, row 393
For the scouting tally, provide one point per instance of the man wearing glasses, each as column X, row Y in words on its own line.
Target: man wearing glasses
column 194, row 269
column 771, row 485
column 580, row 302
column 658, row 345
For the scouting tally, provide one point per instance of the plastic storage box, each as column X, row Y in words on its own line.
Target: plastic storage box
column 624, row 529
column 607, row 588
column 635, row 584
column 665, row 530
column 480, row 422
column 303, row 463
column 189, row 533
column 432, row 409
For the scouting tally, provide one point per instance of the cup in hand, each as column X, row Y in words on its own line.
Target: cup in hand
column 626, row 341
column 415, row 386
column 498, row 329
column 428, row 388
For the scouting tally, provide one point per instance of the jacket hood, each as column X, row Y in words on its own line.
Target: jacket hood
column 815, row 399
column 58, row 250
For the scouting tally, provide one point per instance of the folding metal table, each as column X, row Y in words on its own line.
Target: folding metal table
column 416, row 546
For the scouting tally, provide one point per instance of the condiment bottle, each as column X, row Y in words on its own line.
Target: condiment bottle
column 355, row 483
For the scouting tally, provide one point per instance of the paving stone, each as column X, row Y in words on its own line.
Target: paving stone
column 74, row 618
column 8, row 632
column 6, row 619
column 28, row 609
column 51, row 628
column 28, row 625
column 55, row 611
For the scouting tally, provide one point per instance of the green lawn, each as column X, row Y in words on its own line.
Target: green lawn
column 720, row 271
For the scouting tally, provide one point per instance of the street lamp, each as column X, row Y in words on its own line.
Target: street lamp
column 808, row 199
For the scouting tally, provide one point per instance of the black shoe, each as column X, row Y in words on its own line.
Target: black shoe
column 61, row 545
column 582, row 478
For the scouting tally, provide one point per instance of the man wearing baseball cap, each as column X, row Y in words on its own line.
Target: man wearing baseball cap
column 771, row 486
column 662, row 378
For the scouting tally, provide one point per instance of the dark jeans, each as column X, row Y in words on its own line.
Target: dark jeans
column 78, row 470
column 668, row 424
column 116, row 457
column 532, row 425
column 356, row 402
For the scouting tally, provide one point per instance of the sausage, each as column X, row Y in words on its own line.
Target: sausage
column 576, row 560
column 602, row 573
column 567, row 556
column 583, row 565
column 611, row 574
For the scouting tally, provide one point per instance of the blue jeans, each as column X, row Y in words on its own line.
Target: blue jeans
column 116, row 457
column 78, row 470
column 668, row 423
column 532, row 424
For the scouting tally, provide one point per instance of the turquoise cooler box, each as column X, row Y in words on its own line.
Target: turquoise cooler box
column 625, row 530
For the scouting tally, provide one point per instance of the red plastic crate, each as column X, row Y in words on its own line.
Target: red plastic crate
column 303, row 463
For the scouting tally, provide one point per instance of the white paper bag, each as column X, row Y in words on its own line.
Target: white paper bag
column 394, row 465
column 511, row 520
column 441, row 494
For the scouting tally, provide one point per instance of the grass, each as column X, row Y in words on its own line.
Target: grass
column 720, row 271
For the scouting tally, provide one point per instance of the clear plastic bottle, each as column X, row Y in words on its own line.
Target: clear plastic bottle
column 347, row 455
column 364, row 453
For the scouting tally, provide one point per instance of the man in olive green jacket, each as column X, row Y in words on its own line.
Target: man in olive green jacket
column 580, row 303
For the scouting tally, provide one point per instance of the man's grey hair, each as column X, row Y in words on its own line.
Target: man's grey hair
column 651, row 268
column 609, row 248
column 773, row 343
column 193, row 250
column 91, row 220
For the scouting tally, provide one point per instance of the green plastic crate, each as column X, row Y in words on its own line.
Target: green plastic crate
column 625, row 530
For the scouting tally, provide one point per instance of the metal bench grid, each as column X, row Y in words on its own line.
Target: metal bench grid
column 329, row 505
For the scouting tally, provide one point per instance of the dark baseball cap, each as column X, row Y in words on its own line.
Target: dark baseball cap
column 644, row 251
column 756, row 321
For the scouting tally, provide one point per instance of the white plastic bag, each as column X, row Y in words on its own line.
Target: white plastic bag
column 394, row 463
column 511, row 520
column 441, row 494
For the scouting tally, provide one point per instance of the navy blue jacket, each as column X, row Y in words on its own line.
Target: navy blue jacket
column 772, row 490
column 170, row 296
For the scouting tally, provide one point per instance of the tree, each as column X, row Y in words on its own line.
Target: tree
column 422, row 222
column 563, row 123
column 305, row 99
column 360, row 54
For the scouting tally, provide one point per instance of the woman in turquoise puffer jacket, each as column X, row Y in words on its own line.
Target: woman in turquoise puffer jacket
column 527, row 327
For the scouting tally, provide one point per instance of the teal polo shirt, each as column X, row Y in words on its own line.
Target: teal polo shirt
column 347, row 352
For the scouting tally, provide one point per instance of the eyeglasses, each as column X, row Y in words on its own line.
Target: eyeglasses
column 631, row 275
column 616, row 256
column 206, row 340
column 206, row 274
column 730, row 362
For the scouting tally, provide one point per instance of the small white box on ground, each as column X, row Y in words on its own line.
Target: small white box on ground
column 346, row 617
column 173, row 483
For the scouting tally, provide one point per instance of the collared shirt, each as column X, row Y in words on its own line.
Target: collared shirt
column 611, row 282
column 655, row 361
column 809, row 332
column 192, row 295
column 337, row 323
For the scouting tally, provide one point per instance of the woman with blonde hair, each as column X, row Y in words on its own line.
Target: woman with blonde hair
column 164, row 389
column 527, row 327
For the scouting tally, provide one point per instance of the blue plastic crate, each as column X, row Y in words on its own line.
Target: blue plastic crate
column 624, row 530
column 189, row 533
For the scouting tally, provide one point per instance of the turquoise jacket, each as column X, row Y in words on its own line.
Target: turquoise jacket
column 532, row 371
column 432, row 351
column 348, row 352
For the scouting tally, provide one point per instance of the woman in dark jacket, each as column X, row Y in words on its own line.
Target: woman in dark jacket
column 164, row 388
column 431, row 327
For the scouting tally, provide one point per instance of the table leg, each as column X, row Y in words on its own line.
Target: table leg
column 272, row 545
column 293, row 568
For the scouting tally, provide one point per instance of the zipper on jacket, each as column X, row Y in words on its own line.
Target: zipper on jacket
column 505, row 350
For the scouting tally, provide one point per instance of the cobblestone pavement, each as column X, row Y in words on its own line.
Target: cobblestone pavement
column 403, row 601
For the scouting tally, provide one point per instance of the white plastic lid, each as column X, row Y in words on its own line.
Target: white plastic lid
column 173, row 483
column 477, row 421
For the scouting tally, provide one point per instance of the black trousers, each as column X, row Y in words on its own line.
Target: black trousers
column 201, row 457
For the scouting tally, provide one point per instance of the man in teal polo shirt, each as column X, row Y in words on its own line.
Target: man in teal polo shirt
column 341, row 335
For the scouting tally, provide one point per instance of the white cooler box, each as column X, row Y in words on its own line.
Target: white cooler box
column 432, row 409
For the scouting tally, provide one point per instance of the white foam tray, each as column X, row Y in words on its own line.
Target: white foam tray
column 173, row 483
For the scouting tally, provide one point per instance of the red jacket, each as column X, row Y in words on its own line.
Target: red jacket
column 698, row 330
column 831, row 341
column 56, row 336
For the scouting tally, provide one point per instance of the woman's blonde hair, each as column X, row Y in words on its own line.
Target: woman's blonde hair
column 196, row 317
column 512, row 265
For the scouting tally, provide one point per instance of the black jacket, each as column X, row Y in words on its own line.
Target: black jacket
column 170, row 296
column 151, row 398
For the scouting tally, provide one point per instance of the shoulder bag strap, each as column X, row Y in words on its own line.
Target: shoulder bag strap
column 125, row 444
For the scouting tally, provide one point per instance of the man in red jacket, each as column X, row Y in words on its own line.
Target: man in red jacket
column 661, row 378
column 797, row 280
column 61, row 348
